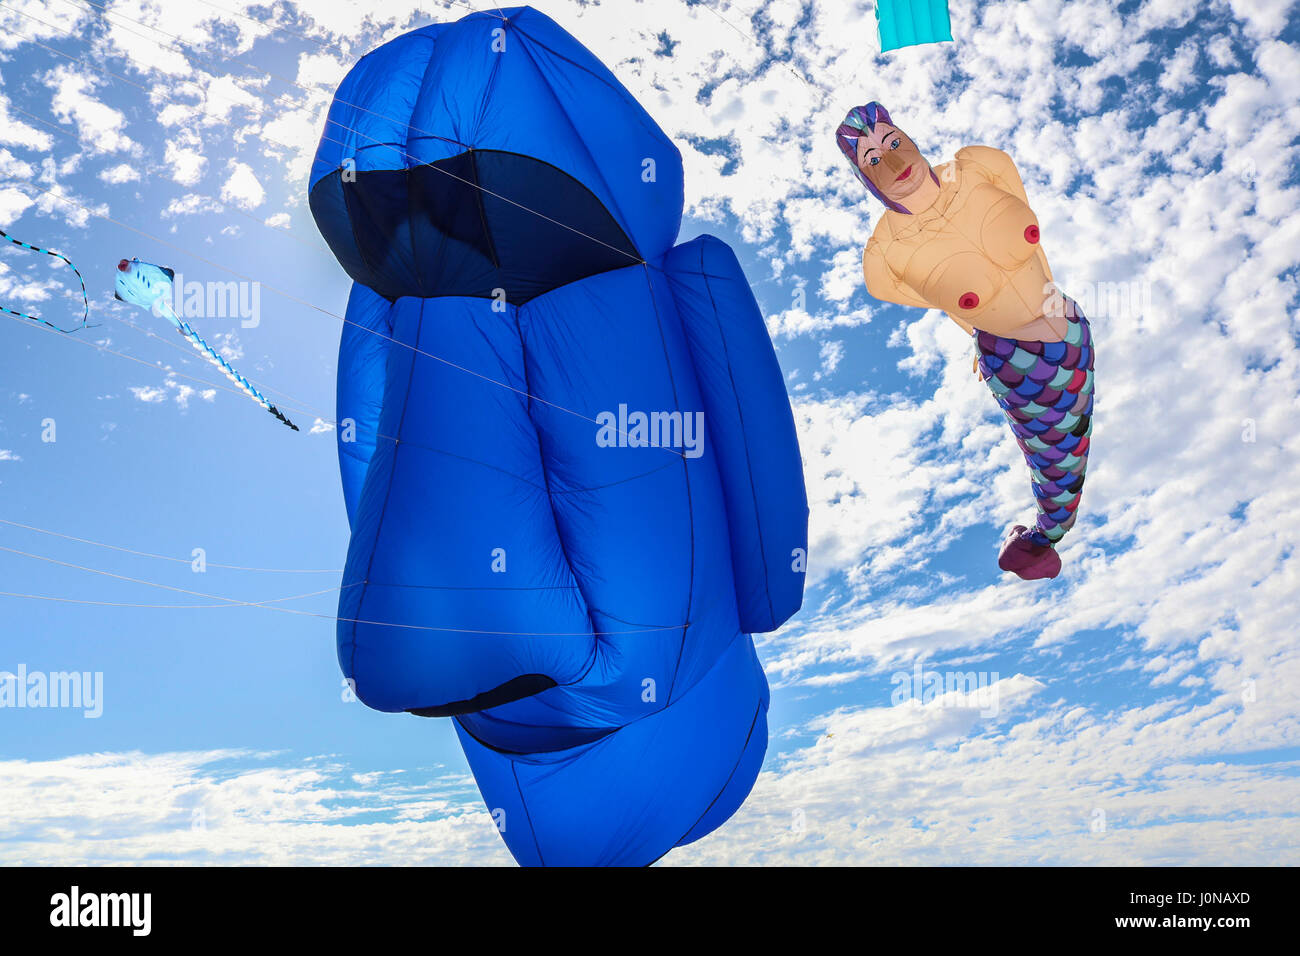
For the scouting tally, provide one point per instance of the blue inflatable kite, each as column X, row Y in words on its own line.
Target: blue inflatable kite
column 568, row 457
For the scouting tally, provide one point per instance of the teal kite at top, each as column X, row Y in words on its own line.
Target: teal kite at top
column 910, row 22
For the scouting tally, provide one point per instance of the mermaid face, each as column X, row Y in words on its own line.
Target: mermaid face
column 888, row 157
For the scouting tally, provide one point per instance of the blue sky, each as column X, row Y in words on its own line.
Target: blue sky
column 1146, row 706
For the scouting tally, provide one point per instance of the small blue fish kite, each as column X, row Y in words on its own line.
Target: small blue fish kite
column 85, row 313
column 150, row 287
column 912, row 22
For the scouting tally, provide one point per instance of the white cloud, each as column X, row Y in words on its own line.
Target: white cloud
column 242, row 187
column 227, row 345
column 1180, row 70
column 189, row 205
column 831, row 354
column 121, row 173
column 25, row 20
column 186, row 162
column 937, row 784
column 200, row 808
column 844, row 278
column 20, row 287
column 150, row 394
column 98, row 125
column 13, row 203
column 223, row 95
column 174, row 389
column 15, row 132
column 793, row 322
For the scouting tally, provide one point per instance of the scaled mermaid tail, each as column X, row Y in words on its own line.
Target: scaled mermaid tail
column 1045, row 389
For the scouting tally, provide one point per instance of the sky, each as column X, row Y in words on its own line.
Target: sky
column 1142, row 708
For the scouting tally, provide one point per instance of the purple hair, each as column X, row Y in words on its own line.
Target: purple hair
column 860, row 119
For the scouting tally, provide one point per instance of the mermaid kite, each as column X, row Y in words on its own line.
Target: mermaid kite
column 962, row 238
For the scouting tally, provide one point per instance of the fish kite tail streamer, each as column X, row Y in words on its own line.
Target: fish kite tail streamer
column 215, row 357
column 280, row 415
column 85, row 299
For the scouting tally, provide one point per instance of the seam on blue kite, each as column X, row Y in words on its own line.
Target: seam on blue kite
column 550, row 503
column 686, row 471
column 723, row 789
column 744, row 435
column 514, row 770
column 383, row 512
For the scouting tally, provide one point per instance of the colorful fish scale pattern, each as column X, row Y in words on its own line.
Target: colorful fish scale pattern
column 1045, row 389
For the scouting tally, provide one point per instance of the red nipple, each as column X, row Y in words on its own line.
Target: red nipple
column 968, row 300
column 1031, row 234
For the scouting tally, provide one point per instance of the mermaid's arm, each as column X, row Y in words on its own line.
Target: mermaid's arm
column 881, row 281
column 993, row 166
column 884, row 285
column 998, row 169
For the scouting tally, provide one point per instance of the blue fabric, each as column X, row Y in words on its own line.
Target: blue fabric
column 363, row 356
column 910, row 22
column 745, row 403
column 577, row 597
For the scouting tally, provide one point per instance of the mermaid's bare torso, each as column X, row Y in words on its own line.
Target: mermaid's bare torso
column 975, row 253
